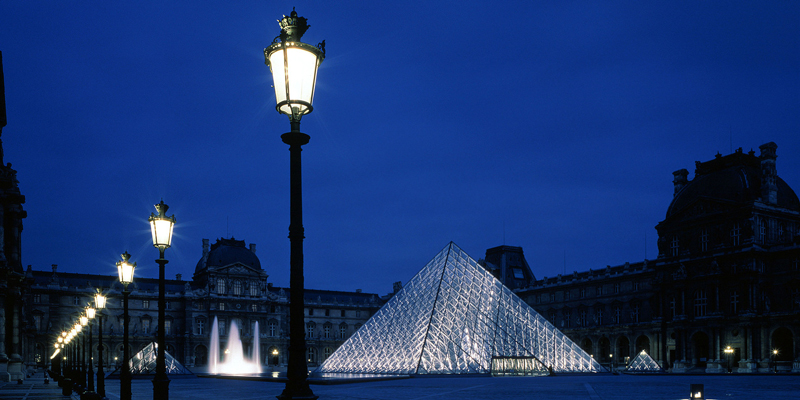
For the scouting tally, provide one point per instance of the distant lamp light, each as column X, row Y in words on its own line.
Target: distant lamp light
column 100, row 300
column 90, row 312
column 161, row 226
column 125, row 270
column 294, row 67
column 274, row 352
column 775, row 352
column 697, row 391
column 84, row 320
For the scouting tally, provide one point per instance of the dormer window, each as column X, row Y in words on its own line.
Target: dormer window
column 675, row 246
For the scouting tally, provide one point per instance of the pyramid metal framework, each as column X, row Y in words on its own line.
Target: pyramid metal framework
column 452, row 318
column 644, row 363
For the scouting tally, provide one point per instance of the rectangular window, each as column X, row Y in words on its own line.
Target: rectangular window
column 734, row 302
column 583, row 293
column 222, row 306
column 37, row 322
column 552, row 297
column 273, row 329
column 273, row 308
column 672, row 308
column 310, row 311
column 221, row 327
column 76, row 301
column 704, row 240
column 700, row 303
column 635, row 314
column 146, row 326
column 635, row 286
column 326, row 331
column 599, row 291
column 221, row 286
column 599, row 317
column 167, row 327
column 736, row 234
column 358, row 313
column 254, row 307
column 327, row 312
column 253, row 289
column 617, row 313
column 674, row 246
column 616, row 288
column 201, row 325
column 342, row 313
column 145, row 304
column 167, row 305
column 37, row 298
column 237, row 288
column 342, row 331
column 518, row 274
column 567, row 320
column 582, row 320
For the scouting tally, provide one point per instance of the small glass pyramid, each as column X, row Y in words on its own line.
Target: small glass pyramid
column 453, row 317
column 644, row 363
column 144, row 362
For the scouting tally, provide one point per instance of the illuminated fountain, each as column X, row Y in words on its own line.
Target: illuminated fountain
column 235, row 362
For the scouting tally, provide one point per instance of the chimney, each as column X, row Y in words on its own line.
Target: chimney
column 397, row 286
column 253, row 248
column 680, row 180
column 177, row 277
column 205, row 248
column 769, row 174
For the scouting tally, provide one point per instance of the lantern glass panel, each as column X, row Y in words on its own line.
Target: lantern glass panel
column 302, row 68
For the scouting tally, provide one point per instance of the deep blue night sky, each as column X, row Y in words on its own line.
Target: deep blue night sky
column 552, row 125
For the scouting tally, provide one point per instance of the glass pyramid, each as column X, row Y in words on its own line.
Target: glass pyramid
column 144, row 363
column 453, row 317
column 644, row 363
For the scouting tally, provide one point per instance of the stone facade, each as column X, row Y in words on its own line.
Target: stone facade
column 727, row 277
column 228, row 284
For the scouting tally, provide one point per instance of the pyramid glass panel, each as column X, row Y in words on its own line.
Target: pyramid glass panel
column 454, row 317
column 644, row 363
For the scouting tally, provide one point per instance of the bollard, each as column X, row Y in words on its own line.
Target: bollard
column 66, row 389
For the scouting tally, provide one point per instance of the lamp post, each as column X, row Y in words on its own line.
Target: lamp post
column 82, row 322
column 775, row 360
column 161, row 228
column 125, row 270
column 90, row 313
column 294, row 67
column 100, row 303
column 729, row 353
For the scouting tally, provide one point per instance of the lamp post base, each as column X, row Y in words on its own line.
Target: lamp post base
column 161, row 388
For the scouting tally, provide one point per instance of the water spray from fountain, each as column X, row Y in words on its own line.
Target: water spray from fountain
column 235, row 362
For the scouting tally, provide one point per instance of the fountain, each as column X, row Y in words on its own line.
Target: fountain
column 235, row 362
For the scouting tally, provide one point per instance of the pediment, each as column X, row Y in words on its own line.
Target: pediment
column 239, row 269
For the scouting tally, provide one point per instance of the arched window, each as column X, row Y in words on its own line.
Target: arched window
column 326, row 353
column 342, row 330
column 237, row 288
column 326, row 331
column 311, row 355
column 220, row 286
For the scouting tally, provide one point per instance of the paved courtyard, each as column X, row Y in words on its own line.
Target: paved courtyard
column 605, row 387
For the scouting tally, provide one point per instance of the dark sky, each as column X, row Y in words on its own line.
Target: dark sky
column 551, row 125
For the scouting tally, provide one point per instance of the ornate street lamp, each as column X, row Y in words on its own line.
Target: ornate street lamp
column 729, row 353
column 125, row 270
column 83, row 321
column 161, row 227
column 100, row 303
column 294, row 67
column 90, row 313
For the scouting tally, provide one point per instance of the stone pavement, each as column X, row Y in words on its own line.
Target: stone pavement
column 593, row 387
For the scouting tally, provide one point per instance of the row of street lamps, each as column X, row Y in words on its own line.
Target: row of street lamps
column 74, row 370
column 294, row 66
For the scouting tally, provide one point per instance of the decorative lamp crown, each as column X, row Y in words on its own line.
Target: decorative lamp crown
column 293, row 27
